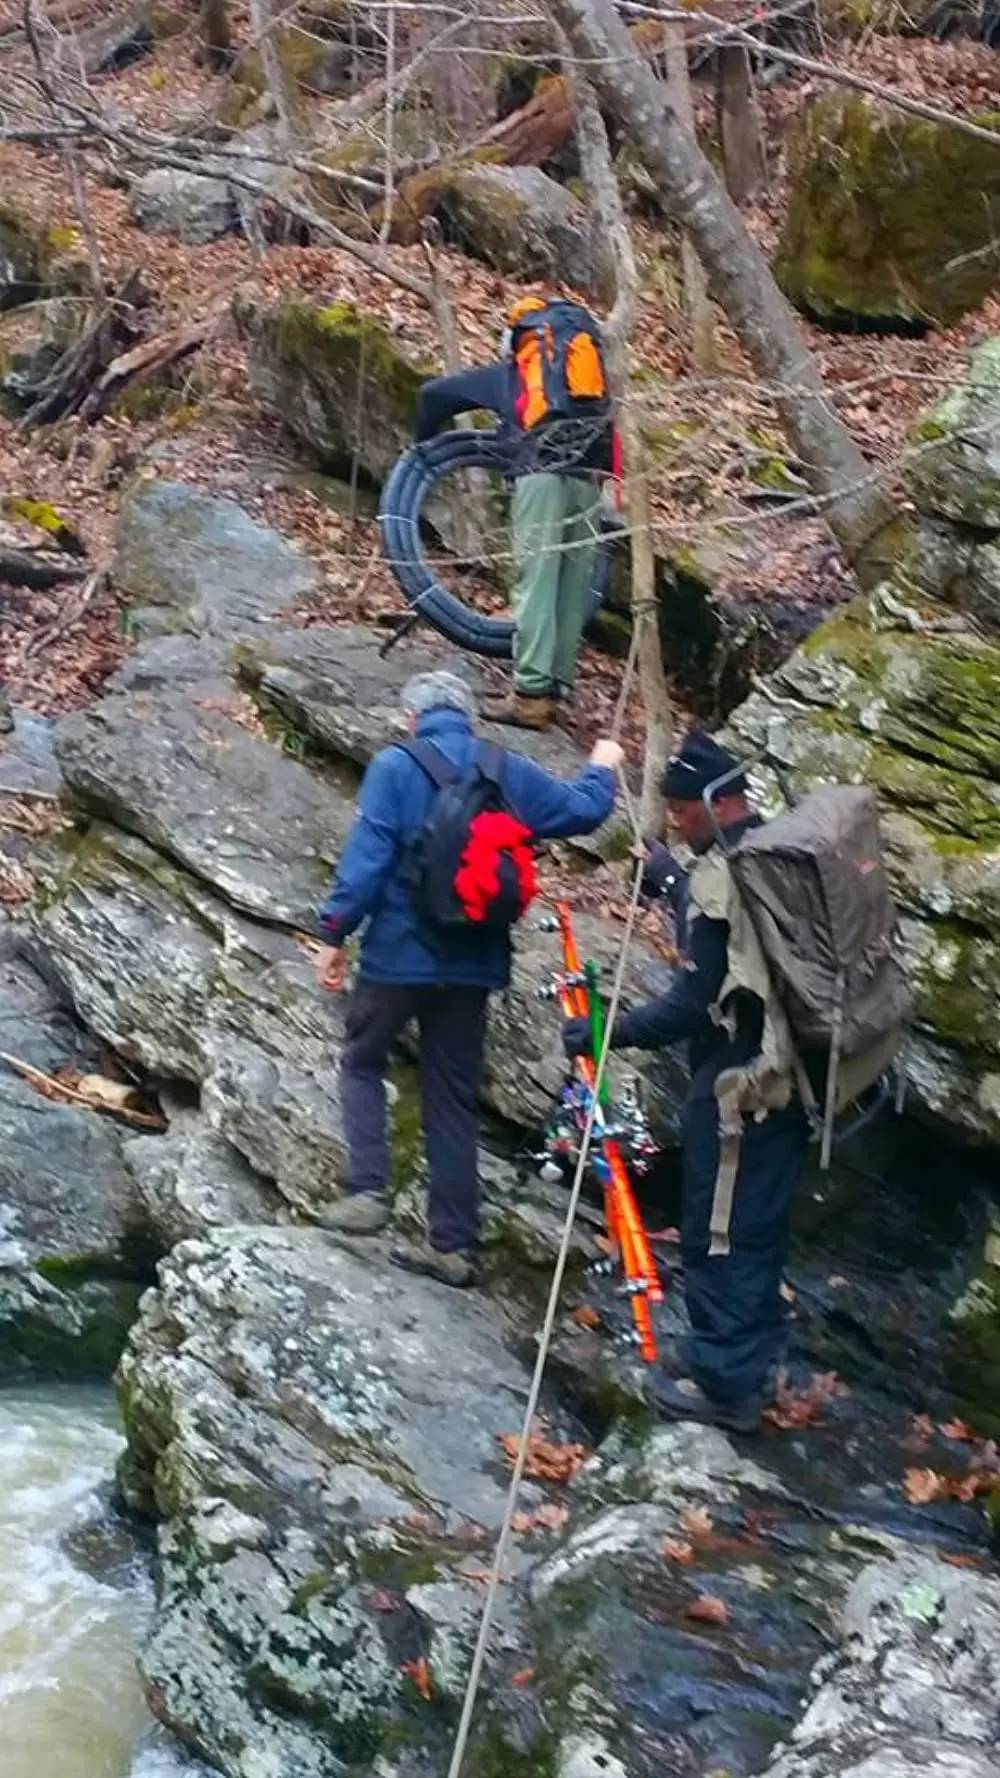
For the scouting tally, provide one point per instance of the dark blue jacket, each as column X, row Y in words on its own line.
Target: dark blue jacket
column 394, row 803
column 684, row 1012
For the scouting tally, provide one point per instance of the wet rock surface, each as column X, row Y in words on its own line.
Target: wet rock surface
column 73, row 1248
column 914, row 1686
column 177, row 981
column 187, row 775
column 324, row 1488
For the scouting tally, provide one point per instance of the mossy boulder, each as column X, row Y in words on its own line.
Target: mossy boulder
column 953, row 471
column 35, row 261
column 339, row 379
column 515, row 219
column 972, row 1353
column 891, row 217
column 899, row 690
column 326, row 50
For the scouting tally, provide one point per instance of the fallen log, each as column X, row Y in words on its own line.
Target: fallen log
column 147, row 358
column 69, row 382
column 21, row 568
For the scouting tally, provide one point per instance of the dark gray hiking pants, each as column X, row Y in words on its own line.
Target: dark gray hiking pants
column 452, row 1024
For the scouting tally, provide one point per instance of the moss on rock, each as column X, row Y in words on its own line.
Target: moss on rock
column 35, row 261
column 891, row 216
column 953, row 472
column 338, row 378
column 972, row 1353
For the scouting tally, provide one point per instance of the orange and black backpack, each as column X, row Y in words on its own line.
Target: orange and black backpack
column 558, row 358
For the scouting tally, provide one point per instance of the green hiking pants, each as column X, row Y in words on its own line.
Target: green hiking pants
column 554, row 520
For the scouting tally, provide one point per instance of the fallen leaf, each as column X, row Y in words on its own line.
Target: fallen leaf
column 676, row 1549
column 706, row 1609
column 803, row 1407
column 922, row 1427
column 548, row 1517
column 697, row 1521
column 547, row 1460
column 420, row 1674
column 670, row 1237
column 957, row 1430
column 924, row 1485
column 110, row 1095
column 836, row 1282
column 585, row 1316
column 381, row 1600
column 605, row 1245
column 786, row 1292
column 525, row 1676
column 960, row 1559
column 551, row 1517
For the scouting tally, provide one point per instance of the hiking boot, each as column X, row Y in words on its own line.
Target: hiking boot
column 456, row 1269
column 684, row 1400
column 356, row 1213
column 518, row 710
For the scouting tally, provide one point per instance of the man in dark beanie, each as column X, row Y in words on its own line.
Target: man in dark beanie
column 737, row 1194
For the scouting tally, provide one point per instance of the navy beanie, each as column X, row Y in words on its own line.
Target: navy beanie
column 700, row 762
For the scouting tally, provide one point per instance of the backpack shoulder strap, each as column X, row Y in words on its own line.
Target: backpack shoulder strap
column 489, row 760
column 439, row 770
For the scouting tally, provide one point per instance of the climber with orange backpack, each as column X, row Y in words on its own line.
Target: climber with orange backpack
column 550, row 387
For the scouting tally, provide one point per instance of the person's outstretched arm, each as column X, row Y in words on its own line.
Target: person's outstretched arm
column 679, row 1013
column 554, row 809
column 486, row 386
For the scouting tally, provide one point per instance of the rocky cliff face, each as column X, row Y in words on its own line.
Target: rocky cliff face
column 319, row 1437
column 900, row 691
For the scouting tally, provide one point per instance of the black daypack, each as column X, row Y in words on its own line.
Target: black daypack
column 471, row 868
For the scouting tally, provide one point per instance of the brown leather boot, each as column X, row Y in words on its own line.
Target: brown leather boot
column 517, row 710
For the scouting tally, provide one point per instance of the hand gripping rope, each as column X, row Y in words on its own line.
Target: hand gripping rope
column 577, row 992
column 410, row 482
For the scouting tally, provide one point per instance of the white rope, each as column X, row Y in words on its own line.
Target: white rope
column 562, row 1258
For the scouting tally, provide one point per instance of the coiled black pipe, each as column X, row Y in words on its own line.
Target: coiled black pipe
column 403, row 497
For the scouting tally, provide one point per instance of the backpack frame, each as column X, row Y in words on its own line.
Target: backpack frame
column 884, row 1080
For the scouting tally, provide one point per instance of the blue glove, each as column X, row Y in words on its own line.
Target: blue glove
column 577, row 1037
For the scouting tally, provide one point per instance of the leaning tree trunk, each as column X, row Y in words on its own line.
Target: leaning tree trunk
column 847, row 489
column 696, row 298
column 744, row 156
column 265, row 25
column 609, row 214
column 217, row 42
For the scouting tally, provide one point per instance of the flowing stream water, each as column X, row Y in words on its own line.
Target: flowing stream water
column 75, row 1597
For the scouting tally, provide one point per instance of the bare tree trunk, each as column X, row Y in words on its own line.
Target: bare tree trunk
column 741, row 135
column 215, row 35
column 857, row 511
column 266, row 36
column 696, row 303
column 609, row 213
